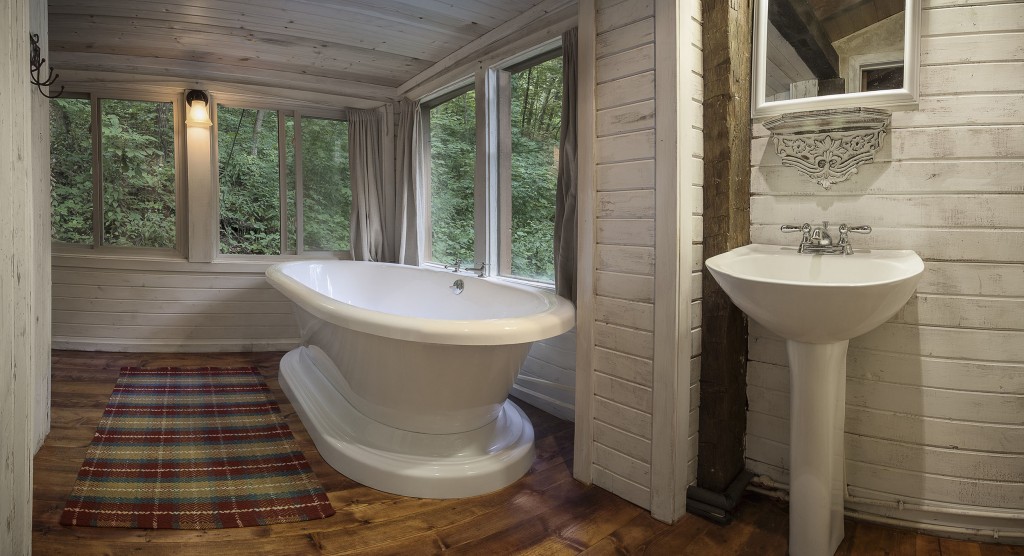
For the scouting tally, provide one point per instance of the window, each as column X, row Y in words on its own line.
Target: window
column 452, row 144
column 250, row 181
column 514, row 230
column 71, row 170
column 881, row 78
column 259, row 174
column 327, row 195
column 535, row 117
column 115, row 183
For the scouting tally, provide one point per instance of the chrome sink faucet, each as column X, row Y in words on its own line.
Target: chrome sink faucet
column 817, row 240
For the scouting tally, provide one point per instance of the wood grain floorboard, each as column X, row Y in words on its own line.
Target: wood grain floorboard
column 546, row 512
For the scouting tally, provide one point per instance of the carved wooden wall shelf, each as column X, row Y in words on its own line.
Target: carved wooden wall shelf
column 829, row 145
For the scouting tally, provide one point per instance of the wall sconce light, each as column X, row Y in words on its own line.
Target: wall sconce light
column 198, row 109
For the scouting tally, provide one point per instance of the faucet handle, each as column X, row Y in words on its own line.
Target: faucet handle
column 788, row 228
column 843, row 228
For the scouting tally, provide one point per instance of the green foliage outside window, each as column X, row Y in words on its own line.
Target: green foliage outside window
column 536, row 118
column 327, row 197
column 250, row 184
column 137, row 168
column 536, row 113
column 250, row 199
column 452, row 172
column 71, row 170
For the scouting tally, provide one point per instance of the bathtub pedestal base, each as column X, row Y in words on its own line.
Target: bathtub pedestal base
column 402, row 462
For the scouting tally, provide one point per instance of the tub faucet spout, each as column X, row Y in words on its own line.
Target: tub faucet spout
column 454, row 267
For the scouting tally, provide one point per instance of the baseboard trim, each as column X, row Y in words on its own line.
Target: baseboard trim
column 173, row 346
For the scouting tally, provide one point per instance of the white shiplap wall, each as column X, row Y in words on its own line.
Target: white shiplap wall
column 623, row 329
column 935, row 397
column 548, row 377
column 124, row 304
column 624, row 181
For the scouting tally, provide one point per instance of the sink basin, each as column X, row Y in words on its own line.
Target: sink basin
column 817, row 303
column 817, row 299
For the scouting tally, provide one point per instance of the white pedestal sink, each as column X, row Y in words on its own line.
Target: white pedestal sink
column 816, row 302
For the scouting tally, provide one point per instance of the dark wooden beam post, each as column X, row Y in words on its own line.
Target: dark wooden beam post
column 723, row 396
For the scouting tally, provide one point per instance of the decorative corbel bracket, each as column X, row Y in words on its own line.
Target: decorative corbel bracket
column 828, row 145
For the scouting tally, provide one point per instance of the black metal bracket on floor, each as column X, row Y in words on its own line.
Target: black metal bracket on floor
column 718, row 506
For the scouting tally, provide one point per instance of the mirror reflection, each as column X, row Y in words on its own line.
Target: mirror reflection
column 829, row 47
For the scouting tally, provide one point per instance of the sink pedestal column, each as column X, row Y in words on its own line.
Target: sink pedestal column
column 816, row 423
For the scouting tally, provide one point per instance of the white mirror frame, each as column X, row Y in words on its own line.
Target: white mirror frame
column 894, row 99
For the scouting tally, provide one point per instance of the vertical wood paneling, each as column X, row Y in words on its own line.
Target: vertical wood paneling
column 19, row 240
column 38, row 19
column 624, row 159
column 646, row 142
column 693, row 174
column 935, row 396
column 586, row 402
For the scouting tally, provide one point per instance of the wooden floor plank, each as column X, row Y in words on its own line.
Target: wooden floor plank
column 546, row 512
column 953, row 547
column 632, row 536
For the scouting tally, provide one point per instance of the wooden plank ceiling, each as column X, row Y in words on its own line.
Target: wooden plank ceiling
column 812, row 27
column 363, row 49
column 842, row 18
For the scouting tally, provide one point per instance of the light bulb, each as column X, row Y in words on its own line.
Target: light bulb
column 198, row 115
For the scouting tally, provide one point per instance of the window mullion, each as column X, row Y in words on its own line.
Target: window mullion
column 425, row 175
column 486, row 190
column 282, row 172
column 297, row 149
column 97, row 173
column 502, row 116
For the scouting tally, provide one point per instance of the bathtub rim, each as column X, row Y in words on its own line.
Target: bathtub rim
column 558, row 318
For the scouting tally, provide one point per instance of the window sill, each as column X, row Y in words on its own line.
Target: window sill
column 163, row 261
column 545, row 286
column 121, row 253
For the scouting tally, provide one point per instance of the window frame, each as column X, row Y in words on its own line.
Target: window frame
column 180, row 249
column 283, row 111
column 493, row 181
column 455, row 90
column 503, row 125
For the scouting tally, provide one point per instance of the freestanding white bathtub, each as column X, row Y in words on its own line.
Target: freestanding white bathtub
column 403, row 377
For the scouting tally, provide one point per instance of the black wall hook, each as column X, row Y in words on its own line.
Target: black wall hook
column 36, row 66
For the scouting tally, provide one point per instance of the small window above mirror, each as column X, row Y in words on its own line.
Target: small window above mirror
column 821, row 54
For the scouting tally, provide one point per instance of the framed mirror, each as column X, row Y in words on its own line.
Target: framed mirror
column 820, row 54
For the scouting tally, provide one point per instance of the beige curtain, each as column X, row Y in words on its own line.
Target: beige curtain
column 367, row 135
column 385, row 207
column 408, row 167
column 565, row 191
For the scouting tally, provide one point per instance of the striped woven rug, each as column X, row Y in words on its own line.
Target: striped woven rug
column 193, row 449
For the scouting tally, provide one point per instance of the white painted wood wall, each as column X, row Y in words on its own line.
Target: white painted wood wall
column 23, row 340
column 548, row 377
column 618, row 312
column 41, row 252
column 935, row 397
column 123, row 304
